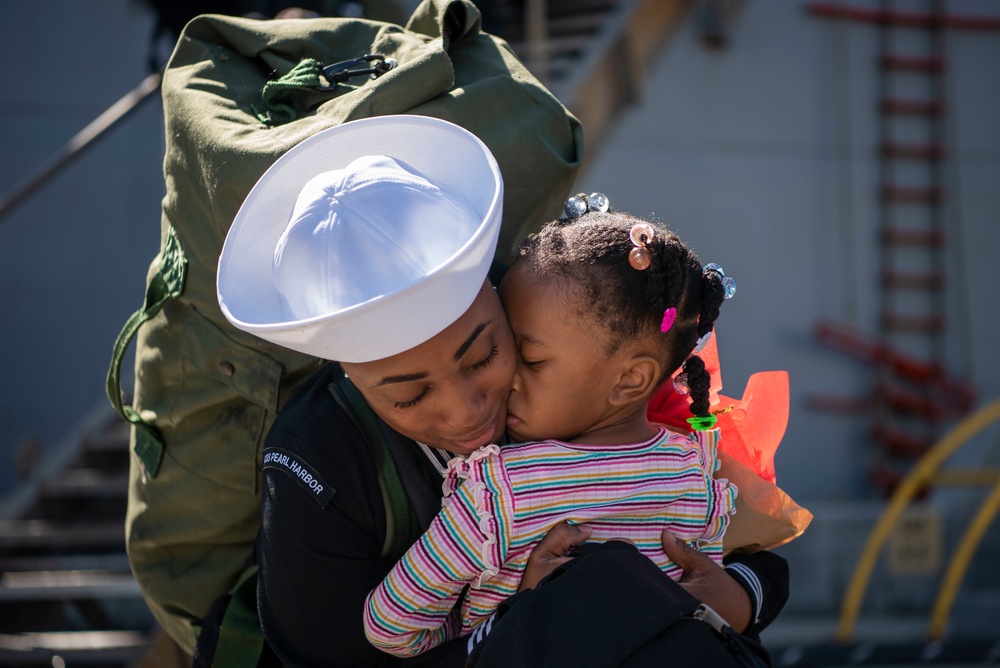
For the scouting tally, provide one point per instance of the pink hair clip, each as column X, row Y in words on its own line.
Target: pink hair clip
column 669, row 316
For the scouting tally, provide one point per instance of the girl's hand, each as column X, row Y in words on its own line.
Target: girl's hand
column 551, row 551
column 709, row 583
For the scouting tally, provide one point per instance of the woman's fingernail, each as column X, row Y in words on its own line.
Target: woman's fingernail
column 585, row 528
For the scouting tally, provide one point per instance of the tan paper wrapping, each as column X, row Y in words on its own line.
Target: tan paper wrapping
column 765, row 517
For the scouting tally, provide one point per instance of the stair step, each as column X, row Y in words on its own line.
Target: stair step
column 103, row 648
column 914, row 323
column 67, row 585
column 912, row 280
column 43, row 535
column 898, row 442
column 904, row 19
column 558, row 26
column 906, row 402
column 560, row 7
column 897, row 236
column 912, row 151
column 912, row 194
column 84, row 483
column 562, row 18
column 871, row 350
column 902, row 107
column 113, row 440
column 929, row 64
column 886, row 479
column 115, row 562
column 899, row 400
column 558, row 45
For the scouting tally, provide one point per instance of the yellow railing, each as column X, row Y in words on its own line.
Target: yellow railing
column 927, row 471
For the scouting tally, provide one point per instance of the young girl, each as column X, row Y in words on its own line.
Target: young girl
column 604, row 308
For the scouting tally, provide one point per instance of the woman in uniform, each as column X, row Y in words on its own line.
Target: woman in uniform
column 371, row 245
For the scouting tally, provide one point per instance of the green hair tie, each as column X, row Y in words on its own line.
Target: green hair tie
column 699, row 423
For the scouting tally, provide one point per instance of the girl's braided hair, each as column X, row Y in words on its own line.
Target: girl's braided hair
column 592, row 252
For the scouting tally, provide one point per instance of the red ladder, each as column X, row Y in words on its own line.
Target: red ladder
column 912, row 394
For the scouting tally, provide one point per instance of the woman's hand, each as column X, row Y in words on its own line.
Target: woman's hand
column 709, row 583
column 703, row 578
column 551, row 551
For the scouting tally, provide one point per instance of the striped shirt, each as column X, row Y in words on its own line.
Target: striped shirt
column 501, row 501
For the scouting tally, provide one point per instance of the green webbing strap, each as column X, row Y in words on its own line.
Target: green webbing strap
column 276, row 106
column 167, row 283
column 241, row 640
column 399, row 520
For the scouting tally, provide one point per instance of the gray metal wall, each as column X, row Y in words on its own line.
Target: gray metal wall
column 763, row 157
column 73, row 257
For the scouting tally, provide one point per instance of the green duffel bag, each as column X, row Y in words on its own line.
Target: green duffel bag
column 237, row 94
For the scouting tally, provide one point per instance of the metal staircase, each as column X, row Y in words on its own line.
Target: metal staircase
column 67, row 595
column 593, row 55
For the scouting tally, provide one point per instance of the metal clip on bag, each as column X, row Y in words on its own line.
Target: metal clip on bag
column 237, row 94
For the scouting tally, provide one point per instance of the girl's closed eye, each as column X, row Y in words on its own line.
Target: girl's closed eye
column 531, row 364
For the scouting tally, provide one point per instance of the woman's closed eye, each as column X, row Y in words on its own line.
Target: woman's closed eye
column 486, row 360
column 474, row 367
column 413, row 401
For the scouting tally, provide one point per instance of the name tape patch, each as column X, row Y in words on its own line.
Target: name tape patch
column 301, row 472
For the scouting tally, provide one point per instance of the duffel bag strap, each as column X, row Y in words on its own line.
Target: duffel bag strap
column 400, row 524
column 278, row 96
column 241, row 640
column 166, row 283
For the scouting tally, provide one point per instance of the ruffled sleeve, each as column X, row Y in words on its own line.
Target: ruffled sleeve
column 720, row 495
column 466, row 543
column 482, row 507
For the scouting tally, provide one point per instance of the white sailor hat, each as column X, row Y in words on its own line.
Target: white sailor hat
column 365, row 240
